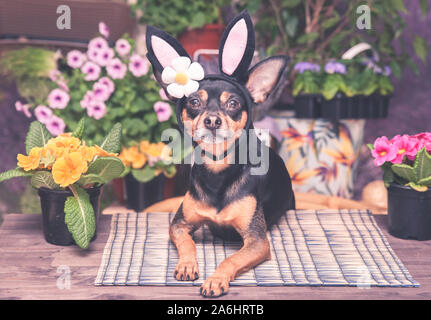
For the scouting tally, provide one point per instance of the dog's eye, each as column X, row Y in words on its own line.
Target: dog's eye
column 233, row 104
column 194, row 103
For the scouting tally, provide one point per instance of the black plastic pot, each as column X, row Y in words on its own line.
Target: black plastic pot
column 312, row 106
column 308, row 106
column 336, row 108
column 52, row 203
column 409, row 213
column 140, row 195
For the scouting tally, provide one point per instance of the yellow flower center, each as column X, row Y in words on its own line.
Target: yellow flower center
column 383, row 153
column 181, row 78
column 401, row 151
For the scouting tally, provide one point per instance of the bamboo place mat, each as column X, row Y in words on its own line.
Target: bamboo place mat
column 308, row 248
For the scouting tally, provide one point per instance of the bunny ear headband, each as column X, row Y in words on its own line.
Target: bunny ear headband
column 179, row 76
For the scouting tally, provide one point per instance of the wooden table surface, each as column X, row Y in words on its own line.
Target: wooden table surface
column 31, row 268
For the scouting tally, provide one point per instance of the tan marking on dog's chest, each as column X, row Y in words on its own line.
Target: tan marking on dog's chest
column 237, row 214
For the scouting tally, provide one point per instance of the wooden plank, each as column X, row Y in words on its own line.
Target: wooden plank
column 29, row 269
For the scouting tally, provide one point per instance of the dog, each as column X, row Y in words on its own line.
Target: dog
column 227, row 191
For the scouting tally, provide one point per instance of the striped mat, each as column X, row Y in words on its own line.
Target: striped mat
column 308, row 248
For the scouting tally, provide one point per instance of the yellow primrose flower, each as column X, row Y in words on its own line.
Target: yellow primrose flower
column 88, row 153
column 132, row 157
column 144, row 145
column 63, row 144
column 31, row 161
column 166, row 153
column 68, row 169
column 155, row 149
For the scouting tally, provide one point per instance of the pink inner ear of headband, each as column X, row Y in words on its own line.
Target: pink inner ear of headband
column 163, row 51
column 234, row 47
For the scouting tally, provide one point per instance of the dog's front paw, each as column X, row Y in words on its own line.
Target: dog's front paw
column 186, row 271
column 215, row 286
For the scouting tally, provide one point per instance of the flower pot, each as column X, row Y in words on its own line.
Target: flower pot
column 307, row 106
column 140, row 195
column 207, row 37
column 409, row 213
column 336, row 108
column 321, row 155
column 118, row 188
column 52, row 204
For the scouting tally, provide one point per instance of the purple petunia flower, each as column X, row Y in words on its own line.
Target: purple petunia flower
column 303, row 66
column 116, row 69
column 108, row 83
column 43, row 114
column 88, row 98
column 55, row 125
column 335, row 67
column 75, row 59
column 104, row 56
column 98, row 43
column 24, row 108
column 163, row 111
column 100, row 92
column 122, row 46
column 387, row 71
column 103, row 29
column 162, row 94
column 58, row 99
column 138, row 66
column 91, row 70
column 96, row 109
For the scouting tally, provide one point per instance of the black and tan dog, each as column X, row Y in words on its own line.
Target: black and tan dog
column 227, row 191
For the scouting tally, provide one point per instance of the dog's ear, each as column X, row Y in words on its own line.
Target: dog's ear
column 162, row 49
column 266, row 81
column 237, row 47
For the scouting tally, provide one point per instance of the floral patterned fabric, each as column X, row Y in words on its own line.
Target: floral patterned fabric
column 320, row 154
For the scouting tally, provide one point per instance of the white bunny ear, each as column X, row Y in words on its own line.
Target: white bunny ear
column 162, row 49
column 237, row 47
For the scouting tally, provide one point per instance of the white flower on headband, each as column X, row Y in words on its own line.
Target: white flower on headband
column 182, row 77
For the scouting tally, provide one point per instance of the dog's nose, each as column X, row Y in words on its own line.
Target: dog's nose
column 212, row 122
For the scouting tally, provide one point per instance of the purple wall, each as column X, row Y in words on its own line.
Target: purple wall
column 410, row 107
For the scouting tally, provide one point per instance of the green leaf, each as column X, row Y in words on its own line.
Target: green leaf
column 79, row 216
column 331, row 86
column 79, row 130
column 144, row 175
column 291, row 3
column 125, row 172
column 388, row 176
column 417, row 187
column 14, row 173
column 396, row 69
column 405, row 171
column 43, row 179
column 91, row 178
column 37, row 136
column 421, row 48
column 328, row 23
column 370, row 146
column 399, row 5
column 308, row 37
column 112, row 142
column 425, row 181
column 170, row 171
column 422, row 164
column 424, row 7
column 106, row 168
